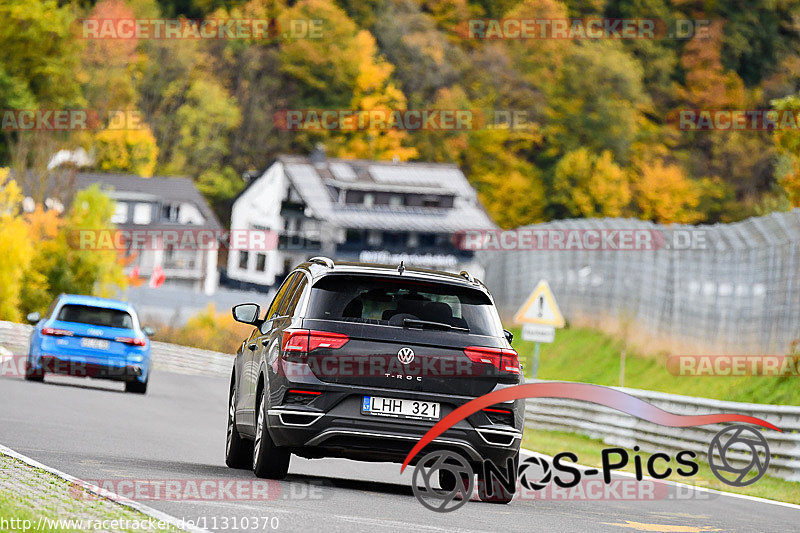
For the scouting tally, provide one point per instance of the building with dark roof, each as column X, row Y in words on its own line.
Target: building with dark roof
column 355, row 210
column 156, row 207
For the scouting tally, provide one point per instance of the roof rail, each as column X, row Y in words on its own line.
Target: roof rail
column 467, row 276
column 324, row 261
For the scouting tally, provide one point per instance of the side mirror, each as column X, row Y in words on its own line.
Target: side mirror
column 509, row 335
column 147, row 330
column 34, row 317
column 246, row 313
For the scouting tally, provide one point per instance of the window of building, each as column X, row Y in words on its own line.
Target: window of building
column 354, row 236
column 393, row 238
column 395, row 200
column 261, row 262
column 427, row 239
column 243, row 256
column 142, row 213
column 171, row 212
column 430, row 201
column 120, row 215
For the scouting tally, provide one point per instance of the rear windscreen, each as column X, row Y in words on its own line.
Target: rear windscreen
column 95, row 316
column 390, row 301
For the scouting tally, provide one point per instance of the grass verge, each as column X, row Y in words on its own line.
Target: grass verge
column 585, row 355
column 32, row 499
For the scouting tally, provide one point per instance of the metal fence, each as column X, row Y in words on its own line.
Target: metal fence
column 724, row 288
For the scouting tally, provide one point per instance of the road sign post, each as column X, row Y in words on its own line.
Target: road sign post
column 539, row 316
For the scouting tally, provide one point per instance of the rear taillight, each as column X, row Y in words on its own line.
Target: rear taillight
column 57, row 332
column 501, row 358
column 303, row 340
column 133, row 341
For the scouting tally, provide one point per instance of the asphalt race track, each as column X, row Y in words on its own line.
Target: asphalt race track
column 92, row 430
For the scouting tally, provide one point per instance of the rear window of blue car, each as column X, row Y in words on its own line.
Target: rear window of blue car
column 95, row 316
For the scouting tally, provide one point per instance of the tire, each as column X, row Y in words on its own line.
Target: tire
column 269, row 461
column 238, row 451
column 499, row 493
column 136, row 386
column 32, row 374
column 447, row 481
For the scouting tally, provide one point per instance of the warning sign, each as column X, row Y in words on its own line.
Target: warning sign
column 540, row 308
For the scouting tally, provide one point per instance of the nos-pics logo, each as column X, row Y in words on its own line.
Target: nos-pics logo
column 738, row 456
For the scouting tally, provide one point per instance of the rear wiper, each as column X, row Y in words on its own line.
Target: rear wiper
column 410, row 322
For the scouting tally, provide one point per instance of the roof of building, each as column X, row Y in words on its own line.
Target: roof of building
column 312, row 177
column 157, row 188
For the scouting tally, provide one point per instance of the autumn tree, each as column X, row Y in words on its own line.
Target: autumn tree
column 589, row 185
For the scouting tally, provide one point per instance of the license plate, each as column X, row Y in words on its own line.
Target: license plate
column 400, row 408
column 97, row 344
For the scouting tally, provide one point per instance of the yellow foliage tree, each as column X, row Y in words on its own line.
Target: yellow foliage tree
column 587, row 185
column 16, row 245
column 663, row 194
column 132, row 149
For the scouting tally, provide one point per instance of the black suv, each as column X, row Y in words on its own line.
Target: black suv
column 359, row 361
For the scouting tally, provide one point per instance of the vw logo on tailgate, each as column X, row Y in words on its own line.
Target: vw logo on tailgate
column 405, row 355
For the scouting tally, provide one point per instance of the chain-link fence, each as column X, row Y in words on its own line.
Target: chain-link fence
column 726, row 288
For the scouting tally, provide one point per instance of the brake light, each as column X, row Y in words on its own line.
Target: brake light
column 57, row 332
column 505, row 412
column 510, row 361
column 324, row 339
column 500, row 358
column 311, row 392
column 134, row 341
column 479, row 354
column 303, row 340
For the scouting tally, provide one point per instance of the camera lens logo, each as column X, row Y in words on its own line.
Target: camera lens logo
column 743, row 445
column 535, row 473
column 446, row 466
column 405, row 355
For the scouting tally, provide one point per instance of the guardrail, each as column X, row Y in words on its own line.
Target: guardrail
column 165, row 356
column 619, row 429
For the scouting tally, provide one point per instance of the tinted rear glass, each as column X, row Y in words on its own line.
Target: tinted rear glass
column 95, row 316
column 389, row 301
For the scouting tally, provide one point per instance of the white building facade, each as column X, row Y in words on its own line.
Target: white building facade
column 354, row 210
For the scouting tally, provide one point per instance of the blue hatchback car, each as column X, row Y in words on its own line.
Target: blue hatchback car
column 90, row 337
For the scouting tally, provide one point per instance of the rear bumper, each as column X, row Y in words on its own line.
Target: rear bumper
column 93, row 367
column 344, row 431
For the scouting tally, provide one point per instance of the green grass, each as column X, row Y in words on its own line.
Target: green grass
column 585, row 355
column 588, row 451
column 28, row 494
